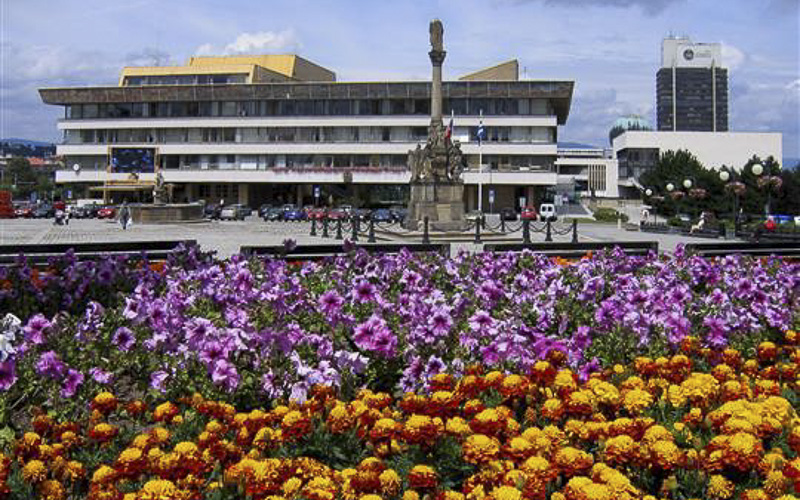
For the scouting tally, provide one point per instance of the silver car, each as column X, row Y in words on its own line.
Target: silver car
column 232, row 212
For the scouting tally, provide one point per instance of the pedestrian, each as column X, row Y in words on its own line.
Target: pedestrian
column 124, row 215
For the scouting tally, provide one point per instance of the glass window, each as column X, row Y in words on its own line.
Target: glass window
column 90, row 110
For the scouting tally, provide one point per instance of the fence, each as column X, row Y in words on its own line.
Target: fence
column 352, row 227
column 39, row 254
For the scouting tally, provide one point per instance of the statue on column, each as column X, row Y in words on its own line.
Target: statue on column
column 159, row 191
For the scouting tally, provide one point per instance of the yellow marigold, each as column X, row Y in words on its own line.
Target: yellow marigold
column 453, row 495
column 489, row 421
column 584, row 488
column 636, row 401
column 105, row 402
column 129, row 455
column 520, row 448
column 160, row 435
column 657, row 433
column 421, row 429
column 514, row 386
column 390, row 482
column 565, row 382
column 494, row 378
column 605, row 392
column 158, row 489
column 719, row 487
column 291, row 487
column 479, row 449
column 506, row 493
column 580, row 402
column 621, row 449
column 457, row 426
column 34, row 471
column 295, row 424
column 410, row 495
column 776, row 483
column 553, row 409
column 165, row 412
column 340, row 418
column 370, row 497
column 665, row 455
column 422, row 477
column 537, row 467
column 51, row 490
column 572, row 460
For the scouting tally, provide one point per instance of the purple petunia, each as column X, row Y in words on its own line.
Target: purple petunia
column 49, row 365
column 123, row 338
column 330, row 303
column 8, row 375
column 158, row 380
column 224, row 373
column 101, row 376
column 365, row 291
column 73, row 380
column 36, row 329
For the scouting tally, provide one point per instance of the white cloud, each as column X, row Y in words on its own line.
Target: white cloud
column 263, row 42
column 732, row 57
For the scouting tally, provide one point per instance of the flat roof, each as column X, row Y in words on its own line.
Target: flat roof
column 558, row 92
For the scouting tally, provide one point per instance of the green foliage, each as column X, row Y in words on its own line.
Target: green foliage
column 609, row 215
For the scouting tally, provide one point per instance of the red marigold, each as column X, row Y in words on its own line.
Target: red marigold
column 422, row 477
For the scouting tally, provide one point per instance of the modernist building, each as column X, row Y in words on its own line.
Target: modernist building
column 691, row 87
column 585, row 170
column 275, row 129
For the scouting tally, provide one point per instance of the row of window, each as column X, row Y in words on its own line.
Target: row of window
column 184, row 79
column 309, row 107
column 316, row 161
column 257, row 135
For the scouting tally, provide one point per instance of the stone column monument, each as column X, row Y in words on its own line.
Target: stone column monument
column 437, row 190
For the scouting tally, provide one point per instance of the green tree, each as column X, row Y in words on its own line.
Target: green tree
column 25, row 180
column 676, row 166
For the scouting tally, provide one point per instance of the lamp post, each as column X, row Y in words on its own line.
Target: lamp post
column 769, row 182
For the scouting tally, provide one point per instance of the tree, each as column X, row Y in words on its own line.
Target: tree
column 25, row 180
column 676, row 166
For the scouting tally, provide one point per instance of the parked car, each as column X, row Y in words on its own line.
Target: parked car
column 508, row 213
column 212, row 211
column 291, row 212
column 59, row 205
column 273, row 213
column 363, row 214
column 547, row 212
column 44, row 211
column 529, row 213
column 348, row 209
column 25, row 212
column 232, row 212
column 399, row 213
column 316, row 213
column 85, row 211
column 246, row 210
column 263, row 209
column 382, row 215
column 473, row 215
column 337, row 213
column 107, row 212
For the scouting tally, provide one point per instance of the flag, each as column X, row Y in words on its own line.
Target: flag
column 448, row 133
column 481, row 130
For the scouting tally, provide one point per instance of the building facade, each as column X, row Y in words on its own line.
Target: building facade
column 280, row 129
column 691, row 87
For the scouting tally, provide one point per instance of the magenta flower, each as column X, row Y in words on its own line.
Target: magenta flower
column 330, row 303
column 365, row 291
column 101, row 376
column 224, row 373
column 158, row 380
column 49, row 365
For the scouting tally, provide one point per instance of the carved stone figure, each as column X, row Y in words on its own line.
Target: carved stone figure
column 159, row 191
column 437, row 35
column 456, row 162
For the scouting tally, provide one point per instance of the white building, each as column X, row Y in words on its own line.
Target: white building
column 638, row 151
column 587, row 171
column 269, row 129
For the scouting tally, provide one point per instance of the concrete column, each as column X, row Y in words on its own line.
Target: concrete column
column 299, row 196
column 437, row 58
column 244, row 194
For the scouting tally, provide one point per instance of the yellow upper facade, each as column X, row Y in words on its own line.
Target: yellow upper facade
column 229, row 69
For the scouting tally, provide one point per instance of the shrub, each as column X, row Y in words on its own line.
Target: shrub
column 609, row 215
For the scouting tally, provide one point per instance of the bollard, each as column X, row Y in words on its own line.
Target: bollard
column 574, row 230
column 313, row 227
column 502, row 224
column 371, row 238
column 338, row 229
column 548, row 236
column 478, row 225
column 325, row 227
column 425, row 236
column 526, row 232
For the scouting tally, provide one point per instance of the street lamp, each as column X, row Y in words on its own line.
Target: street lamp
column 769, row 182
column 687, row 183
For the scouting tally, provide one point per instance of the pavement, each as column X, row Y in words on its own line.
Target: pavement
column 227, row 236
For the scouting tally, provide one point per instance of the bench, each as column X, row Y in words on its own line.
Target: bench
column 756, row 249
column 319, row 252
column 41, row 253
column 575, row 250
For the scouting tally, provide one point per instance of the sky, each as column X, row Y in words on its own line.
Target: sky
column 611, row 49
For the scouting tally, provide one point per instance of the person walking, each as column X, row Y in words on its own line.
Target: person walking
column 124, row 215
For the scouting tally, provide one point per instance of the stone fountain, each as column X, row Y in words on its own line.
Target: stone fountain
column 162, row 210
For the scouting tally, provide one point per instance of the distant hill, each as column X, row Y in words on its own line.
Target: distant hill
column 576, row 145
column 27, row 142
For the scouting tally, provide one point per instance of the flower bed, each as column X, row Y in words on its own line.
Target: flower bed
column 503, row 375
column 667, row 428
column 245, row 330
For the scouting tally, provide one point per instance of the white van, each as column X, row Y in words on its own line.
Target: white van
column 547, row 211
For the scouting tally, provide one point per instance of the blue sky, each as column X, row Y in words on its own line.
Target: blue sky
column 610, row 48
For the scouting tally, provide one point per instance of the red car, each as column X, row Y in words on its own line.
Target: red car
column 24, row 212
column 316, row 213
column 337, row 213
column 106, row 213
column 529, row 213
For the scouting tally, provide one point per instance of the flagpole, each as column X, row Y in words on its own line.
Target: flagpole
column 480, row 167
